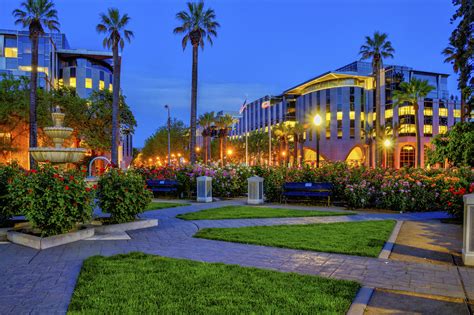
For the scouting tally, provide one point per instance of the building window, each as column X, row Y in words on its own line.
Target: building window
column 101, row 85
column 88, row 83
column 11, row 52
column 352, row 129
column 443, row 129
column 72, row 82
column 5, row 139
column 443, row 112
column 407, row 156
column 328, row 125
column 111, row 88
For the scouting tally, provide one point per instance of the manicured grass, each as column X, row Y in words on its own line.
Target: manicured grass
column 144, row 284
column 249, row 212
column 164, row 205
column 365, row 238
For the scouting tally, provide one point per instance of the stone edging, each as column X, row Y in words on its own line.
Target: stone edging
column 360, row 302
column 388, row 247
column 129, row 226
column 39, row 243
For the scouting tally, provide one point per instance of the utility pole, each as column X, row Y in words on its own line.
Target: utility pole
column 169, row 136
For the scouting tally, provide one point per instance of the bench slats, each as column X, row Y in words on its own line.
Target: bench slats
column 308, row 190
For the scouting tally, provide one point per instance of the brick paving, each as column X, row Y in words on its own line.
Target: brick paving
column 42, row 282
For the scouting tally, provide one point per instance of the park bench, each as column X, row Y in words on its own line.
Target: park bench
column 166, row 186
column 307, row 191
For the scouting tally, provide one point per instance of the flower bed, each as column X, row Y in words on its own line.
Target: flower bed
column 356, row 187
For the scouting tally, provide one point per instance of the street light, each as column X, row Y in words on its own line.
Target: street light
column 230, row 152
column 387, row 145
column 317, row 122
column 169, row 132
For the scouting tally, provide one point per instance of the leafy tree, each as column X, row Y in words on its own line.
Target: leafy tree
column 258, row 144
column 223, row 124
column 456, row 146
column 97, row 126
column 206, row 121
column 377, row 48
column 36, row 15
column 197, row 24
column 460, row 53
column 411, row 92
column 298, row 136
column 157, row 144
column 113, row 26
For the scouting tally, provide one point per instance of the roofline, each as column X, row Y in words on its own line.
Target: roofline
column 307, row 81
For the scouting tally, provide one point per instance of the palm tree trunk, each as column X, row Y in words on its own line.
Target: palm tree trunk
column 192, row 143
column 378, row 130
column 418, row 137
column 302, row 152
column 33, row 95
column 204, row 142
column 115, row 106
column 221, row 144
column 295, row 149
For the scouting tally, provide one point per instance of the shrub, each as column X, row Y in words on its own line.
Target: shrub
column 7, row 174
column 123, row 194
column 52, row 200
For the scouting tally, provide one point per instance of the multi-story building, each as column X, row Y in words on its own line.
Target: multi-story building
column 58, row 65
column 344, row 98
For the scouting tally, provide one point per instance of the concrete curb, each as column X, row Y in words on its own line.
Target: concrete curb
column 3, row 234
column 388, row 247
column 129, row 226
column 360, row 302
column 40, row 243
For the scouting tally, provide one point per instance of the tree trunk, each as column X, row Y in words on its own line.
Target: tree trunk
column 115, row 106
column 221, row 147
column 295, row 150
column 378, row 105
column 417, row 135
column 33, row 140
column 302, row 152
column 192, row 143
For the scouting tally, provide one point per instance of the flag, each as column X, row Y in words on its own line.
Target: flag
column 242, row 108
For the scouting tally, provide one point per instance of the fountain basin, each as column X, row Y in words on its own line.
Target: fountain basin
column 58, row 155
column 58, row 132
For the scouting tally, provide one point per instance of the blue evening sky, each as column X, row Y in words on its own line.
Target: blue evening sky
column 263, row 47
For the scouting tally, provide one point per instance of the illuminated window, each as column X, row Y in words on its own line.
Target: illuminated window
column 28, row 69
column 407, row 129
column 351, row 115
column 407, row 156
column 406, row 110
column 428, row 129
column 328, row 125
column 443, row 129
column 11, row 52
column 111, row 88
column 88, row 83
column 60, row 83
column 5, row 139
column 457, row 113
column 443, row 112
column 339, row 116
column 388, row 113
column 428, row 112
column 101, row 85
column 72, row 82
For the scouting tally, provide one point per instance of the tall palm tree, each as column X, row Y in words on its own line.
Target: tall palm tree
column 197, row 24
column 223, row 123
column 36, row 15
column 411, row 92
column 282, row 133
column 113, row 26
column 206, row 121
column 298, row 135
column 377, row 48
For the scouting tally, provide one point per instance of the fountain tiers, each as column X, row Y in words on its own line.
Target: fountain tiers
column 58, row 133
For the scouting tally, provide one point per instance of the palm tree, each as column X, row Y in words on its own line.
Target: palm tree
column 36, row 15
column 411, row 92
column 377, row 48
column 206, row 121
column 113, row 26
column 223, row 123
column 257, row 141
column 282, row 133
column 197, row 24
column 298, row 136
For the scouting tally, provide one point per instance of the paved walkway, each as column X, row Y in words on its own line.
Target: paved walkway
column 40, row 282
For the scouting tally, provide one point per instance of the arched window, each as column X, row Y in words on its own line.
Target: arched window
column 407, row 156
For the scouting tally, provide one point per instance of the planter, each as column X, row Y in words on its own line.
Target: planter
column 3, row 234
column 122, row 227
column 50, row 241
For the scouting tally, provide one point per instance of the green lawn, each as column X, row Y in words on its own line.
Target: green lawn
column 365, row 238
column 164, row 205
column 144, row 284
column 252, row 212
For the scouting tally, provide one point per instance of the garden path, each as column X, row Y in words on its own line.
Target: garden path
column 42, row 282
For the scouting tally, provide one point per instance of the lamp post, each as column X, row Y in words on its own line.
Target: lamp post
column 317, row 122
column 387, row 145
column 169, row 137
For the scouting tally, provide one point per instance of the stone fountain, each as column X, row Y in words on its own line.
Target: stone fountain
column 58, row 133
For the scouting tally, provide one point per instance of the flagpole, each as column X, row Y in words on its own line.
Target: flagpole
column 246, row 136
column 269, row 134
